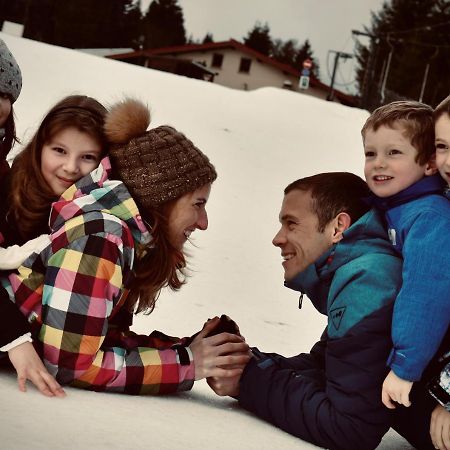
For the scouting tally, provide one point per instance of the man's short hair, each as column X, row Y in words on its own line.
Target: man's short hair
column 417, row 120
column 333, row 193
column 442, row 108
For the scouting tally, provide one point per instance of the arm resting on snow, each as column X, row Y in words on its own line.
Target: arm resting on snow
column 80, row 292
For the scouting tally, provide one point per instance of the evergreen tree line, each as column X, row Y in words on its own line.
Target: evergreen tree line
column 288, row 52
column 120, row 23
column 408, row 56
column 98, row 23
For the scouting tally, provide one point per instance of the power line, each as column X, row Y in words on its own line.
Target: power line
column 425, row 27
column 338, row 55
column 424, row 44
column 341, row 84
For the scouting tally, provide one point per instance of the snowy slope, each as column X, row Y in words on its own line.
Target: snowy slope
column 259, row 141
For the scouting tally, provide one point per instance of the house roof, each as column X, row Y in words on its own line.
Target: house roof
column 210, row 46
column 232, row 43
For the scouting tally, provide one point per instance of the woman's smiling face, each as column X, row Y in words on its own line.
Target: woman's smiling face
column 188, row 214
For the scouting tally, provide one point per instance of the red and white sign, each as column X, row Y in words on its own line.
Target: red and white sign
column 307, row 63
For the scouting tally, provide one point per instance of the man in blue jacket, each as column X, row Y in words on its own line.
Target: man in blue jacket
column 335, row 250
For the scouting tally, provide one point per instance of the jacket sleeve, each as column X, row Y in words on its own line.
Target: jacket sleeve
column 422, row 308
column 13, row 322
column 12, row 257
column 314, row 361
column 340, row 408
column 82, row 286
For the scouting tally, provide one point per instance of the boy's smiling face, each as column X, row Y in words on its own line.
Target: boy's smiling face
column 442, row 141
column 390, row 161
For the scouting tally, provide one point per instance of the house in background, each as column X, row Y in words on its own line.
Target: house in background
column 230, row 64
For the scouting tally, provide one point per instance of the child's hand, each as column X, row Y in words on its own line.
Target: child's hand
column 395, row 389
column 440, row 428
column 29, row 366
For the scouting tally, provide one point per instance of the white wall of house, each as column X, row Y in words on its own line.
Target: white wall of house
column 259, row 75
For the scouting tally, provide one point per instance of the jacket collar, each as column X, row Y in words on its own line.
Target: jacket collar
column 366, row 235
column 433, row 184
column 96, row 192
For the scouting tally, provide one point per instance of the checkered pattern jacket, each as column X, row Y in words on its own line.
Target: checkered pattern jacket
column 73, row 295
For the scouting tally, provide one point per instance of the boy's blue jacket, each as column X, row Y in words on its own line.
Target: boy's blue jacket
column 419, row 228
column 332, row 396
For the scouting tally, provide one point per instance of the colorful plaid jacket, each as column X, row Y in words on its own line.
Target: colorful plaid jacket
column 72, row 293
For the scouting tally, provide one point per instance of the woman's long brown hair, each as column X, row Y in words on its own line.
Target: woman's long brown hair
column 158, row 265
column 30, row 196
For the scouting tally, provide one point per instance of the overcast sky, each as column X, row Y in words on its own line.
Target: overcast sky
column 326, row 23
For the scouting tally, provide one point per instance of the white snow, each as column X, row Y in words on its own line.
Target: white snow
column 259, row 141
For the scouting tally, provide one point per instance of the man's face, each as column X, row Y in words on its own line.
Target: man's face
column 300, row 241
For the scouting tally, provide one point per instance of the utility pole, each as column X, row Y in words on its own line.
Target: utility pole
column 370, row 64
column 336, row 62
column 425, row 77
column 388, row 66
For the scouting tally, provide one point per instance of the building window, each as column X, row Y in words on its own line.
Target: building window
column 244, row 66
column 217, row 60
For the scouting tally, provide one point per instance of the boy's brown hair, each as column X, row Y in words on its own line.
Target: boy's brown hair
column 442, row 108
column 417, row 120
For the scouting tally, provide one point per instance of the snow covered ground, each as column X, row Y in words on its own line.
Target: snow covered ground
column 259, row 141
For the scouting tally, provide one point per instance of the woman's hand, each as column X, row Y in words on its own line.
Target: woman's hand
column 222, row 355
column 29, row 366
column 440, row 428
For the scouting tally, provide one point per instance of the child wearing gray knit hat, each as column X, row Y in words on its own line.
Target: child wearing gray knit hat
column 10, row 75
column 10, row 87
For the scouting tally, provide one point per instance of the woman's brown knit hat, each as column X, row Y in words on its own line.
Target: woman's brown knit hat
column 157, row 165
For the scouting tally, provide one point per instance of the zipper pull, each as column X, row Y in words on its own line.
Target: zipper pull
column 300, row 301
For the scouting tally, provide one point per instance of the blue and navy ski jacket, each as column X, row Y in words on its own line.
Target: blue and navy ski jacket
column 332, row 395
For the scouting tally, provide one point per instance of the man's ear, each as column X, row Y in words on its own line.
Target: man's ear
column 340, row 223
column 430, row 166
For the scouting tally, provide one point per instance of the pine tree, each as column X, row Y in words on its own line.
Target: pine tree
column 306, row 52
column 284, row 51
column 38, row 20
column 259, row 39
column 130, row 23
column 208, row 38
column 83, row 23
column 13, row 11
column 163, row 25
column 288, row 52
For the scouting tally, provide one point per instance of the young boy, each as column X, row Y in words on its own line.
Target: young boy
column 399, row 168
column 442, row 141
column 439, row 383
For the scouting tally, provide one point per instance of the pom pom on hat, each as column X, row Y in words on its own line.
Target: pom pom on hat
column 10, row 75
column 127, row 119
column 157, row 165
